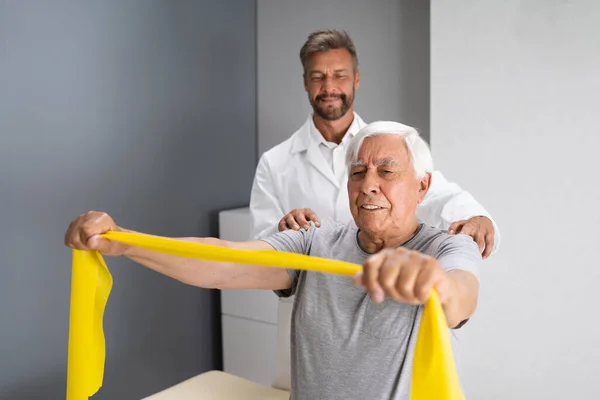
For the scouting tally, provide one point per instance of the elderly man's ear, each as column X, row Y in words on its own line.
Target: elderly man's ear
column 425, row 183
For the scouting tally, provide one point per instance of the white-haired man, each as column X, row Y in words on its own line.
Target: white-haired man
column 346, row 343
column 307, row 170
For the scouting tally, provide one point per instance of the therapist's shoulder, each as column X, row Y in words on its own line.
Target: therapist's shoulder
column 278, row 153
column 282, row 153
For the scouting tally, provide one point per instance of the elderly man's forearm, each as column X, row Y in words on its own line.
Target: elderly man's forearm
column 462, row 301
column 212, row 274
column 201, row 273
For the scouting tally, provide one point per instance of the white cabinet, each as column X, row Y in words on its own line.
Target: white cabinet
column 258, row 305
column 248, row 317
column 249, row 349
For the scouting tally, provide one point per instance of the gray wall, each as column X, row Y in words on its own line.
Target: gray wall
column 118, row 106
column 515, row 100
column 392, row 39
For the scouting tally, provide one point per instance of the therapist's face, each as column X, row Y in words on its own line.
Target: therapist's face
column 383, row 190
column 330, row 81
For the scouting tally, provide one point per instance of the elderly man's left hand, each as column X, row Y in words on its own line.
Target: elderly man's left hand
column 404, row 275
column 481, row 229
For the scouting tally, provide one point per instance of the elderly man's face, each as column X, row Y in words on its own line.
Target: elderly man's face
column 383, row 190
column 331, row 81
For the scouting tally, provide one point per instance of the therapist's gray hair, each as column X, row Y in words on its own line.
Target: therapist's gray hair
column 327, row 40
column 420, row 155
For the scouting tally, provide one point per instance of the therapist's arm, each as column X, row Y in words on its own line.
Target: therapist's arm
column 265, row 208
column 84, row 234
column 447, row 203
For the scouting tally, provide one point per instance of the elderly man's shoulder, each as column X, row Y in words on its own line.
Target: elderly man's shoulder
column 315, row 241
column 330, row 226
column 333, row 239
column 329, row 229
column 436, row 241
column 332, row 232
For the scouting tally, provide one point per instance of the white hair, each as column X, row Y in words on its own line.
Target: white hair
column 420, row 156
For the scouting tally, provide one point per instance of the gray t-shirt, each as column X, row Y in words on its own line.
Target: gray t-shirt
column 343, row 345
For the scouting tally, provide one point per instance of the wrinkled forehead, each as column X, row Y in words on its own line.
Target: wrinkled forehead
column 383, row 150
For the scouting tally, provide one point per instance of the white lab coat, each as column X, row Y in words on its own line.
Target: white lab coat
column 295, row 174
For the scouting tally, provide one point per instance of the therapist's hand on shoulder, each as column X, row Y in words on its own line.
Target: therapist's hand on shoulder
column 481, row 229
column 299, row 218
column 85, row 230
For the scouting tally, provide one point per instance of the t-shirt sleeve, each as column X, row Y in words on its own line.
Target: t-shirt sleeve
column 459, row 252
column 293, row 242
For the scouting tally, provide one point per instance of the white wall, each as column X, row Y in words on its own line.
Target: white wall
column 514, row 119
column 392, row 39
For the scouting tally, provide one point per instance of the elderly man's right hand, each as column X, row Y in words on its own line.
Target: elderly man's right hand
column 85, row 230
column 404, row 275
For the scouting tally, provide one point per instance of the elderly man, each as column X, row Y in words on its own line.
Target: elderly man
column 346, row 343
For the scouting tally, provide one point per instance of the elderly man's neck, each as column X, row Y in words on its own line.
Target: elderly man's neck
column 374, row 242
column 334, row 131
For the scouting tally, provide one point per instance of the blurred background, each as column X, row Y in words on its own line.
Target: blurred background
column 157, row 111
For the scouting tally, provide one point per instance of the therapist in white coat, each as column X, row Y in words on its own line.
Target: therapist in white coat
column 305, row 177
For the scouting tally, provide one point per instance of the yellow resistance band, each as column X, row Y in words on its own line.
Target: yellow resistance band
column 434, row 374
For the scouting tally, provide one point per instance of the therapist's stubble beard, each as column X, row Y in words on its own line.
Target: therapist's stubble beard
column 333, row 114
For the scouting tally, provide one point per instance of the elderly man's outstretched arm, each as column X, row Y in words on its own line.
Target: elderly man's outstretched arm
column 84, row 234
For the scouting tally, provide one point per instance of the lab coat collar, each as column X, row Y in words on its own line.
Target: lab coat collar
column 303, row 137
